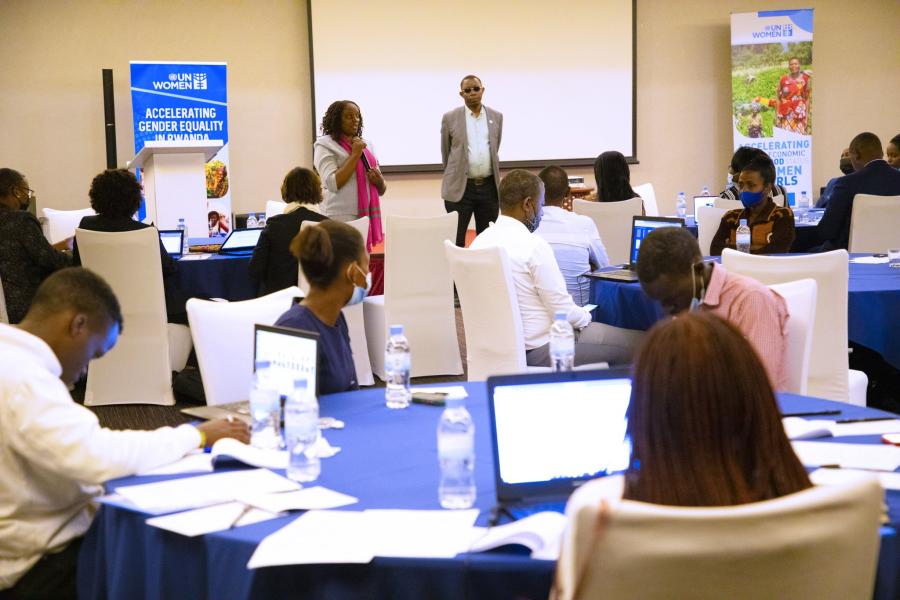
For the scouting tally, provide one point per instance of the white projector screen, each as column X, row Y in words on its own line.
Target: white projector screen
column 562, row 74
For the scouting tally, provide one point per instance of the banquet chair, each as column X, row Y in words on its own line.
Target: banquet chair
column 613, row 220
column 800, row 297
column 4, row 316
column 874, row 223
column 138, row 370
column 223, row 338
column 418, row 294
column 648, row 195
column 708, row 220
column 573, row 260
column 274, row 207
column 728, row 204
column 821, row 542
column 353, row 314
column 61, row 224
column 830, row 375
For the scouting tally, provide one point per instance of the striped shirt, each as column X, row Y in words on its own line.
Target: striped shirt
column 758, row 312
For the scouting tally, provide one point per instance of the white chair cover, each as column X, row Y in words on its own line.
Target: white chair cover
column 708, row 220
column 418, row 294
column 728, row 204
column 648, row 195
column 613, row 220
column 61, row 224
column 801, row 302
column 223, row 337
column 820, row 543
column 274, row 207
column 874, row 223
column 138, row 369
column 354, row 315
column 829, row 364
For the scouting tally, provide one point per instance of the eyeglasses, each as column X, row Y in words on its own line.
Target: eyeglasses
column 30, row 192
column 471, row 89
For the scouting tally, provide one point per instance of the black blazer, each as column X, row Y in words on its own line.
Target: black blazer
column 877, row 178
column 272, row 264
column 175, row 298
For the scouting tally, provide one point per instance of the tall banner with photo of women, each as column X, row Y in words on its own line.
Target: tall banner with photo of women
column 186, row 101
column 771, row 91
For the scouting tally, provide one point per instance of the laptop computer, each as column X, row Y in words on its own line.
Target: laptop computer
column 703, row 201
column 240, row 241
column 173, row 241
column 294, row 353
column 551, row 432
column 640, row 228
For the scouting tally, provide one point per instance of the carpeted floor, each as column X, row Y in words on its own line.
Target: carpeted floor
column 145, row 416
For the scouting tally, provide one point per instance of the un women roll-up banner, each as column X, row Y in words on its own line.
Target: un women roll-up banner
column 179, row 101
column 771, row 91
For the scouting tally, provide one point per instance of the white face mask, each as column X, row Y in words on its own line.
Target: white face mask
column 359, row 293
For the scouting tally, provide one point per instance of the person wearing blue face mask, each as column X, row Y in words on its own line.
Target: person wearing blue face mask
column 333, row 257
column 771, row 226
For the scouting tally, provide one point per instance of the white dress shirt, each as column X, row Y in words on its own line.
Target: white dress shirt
column 540, row 287
column 577, row 245
column 54, row 455
column 478, row 144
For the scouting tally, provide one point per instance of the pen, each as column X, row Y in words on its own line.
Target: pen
column 812, row 413
column 247, row 508
column 865, row 420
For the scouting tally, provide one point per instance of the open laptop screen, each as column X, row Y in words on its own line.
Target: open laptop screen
column 554, row 430
column 172, row 241
column 241, row 240
column 641, row 228
column 291, row 352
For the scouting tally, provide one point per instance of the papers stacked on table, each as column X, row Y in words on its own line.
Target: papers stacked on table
column 798, row 428
column 872, row 457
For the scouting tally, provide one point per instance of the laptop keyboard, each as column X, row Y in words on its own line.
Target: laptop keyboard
column 239, row 408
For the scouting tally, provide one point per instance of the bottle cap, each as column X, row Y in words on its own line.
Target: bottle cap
column 455, row 402
column 396, row 329
column 301, row 384
column 262, row 364
column 743, row 223
column 559, row 315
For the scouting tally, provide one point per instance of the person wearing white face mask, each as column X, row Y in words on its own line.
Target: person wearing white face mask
column 333, row 257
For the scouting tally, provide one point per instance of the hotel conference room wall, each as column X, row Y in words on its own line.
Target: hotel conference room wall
column 51, row 110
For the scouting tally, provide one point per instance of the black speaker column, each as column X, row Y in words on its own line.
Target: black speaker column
column 109, row 119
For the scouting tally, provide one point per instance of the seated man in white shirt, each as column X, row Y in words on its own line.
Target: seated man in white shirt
column 539, row 284
column 54, row 455
column 574, row 238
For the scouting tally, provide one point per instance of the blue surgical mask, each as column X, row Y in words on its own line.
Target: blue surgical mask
column 749, row 199
column 359, row 293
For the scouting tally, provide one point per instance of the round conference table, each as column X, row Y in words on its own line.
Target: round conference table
column 388, row 460
column 873, row 307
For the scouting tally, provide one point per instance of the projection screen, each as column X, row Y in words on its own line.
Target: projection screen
column 562, row 74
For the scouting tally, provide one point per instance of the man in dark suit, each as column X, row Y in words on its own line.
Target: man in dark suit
column 470, row 139
column 872, row 176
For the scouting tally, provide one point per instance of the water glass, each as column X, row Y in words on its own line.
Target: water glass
column 894, row 258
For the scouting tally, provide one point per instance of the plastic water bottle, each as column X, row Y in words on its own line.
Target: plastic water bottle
column 261, row 222
column 456, row 455
column 265, row 408
column 301, row 432
column 185, row 243
column 251, row 221
column 681, row 205
column 705, row 191
column 397, row 361
column 802, row 209
column 562, row 343
column 742, row 237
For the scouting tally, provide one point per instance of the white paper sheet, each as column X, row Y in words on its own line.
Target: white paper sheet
column 314, row 498
column 195, row 462
column 205, row 490
column 889, row 481
column 195, row 256
column 798, row 428
column 453, row 391
column 870, row 260
column 316, row 537
column 420, row 533
column 879, row 457
column 541, row 532
column 212, row 518
column 866, row 428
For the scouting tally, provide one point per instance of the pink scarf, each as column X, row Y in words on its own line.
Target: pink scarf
column 368, row 204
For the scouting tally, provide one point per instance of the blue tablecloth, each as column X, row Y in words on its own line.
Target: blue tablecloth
column 873, row 308
column 218, row 276
column 389, row 460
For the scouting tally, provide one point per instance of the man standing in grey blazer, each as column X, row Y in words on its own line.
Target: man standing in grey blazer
column 470, row 138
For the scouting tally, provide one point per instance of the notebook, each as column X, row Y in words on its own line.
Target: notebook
column 240, row 241
column 551, row 432
column 640, row 228
column 292, row 352
column 173, row 241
